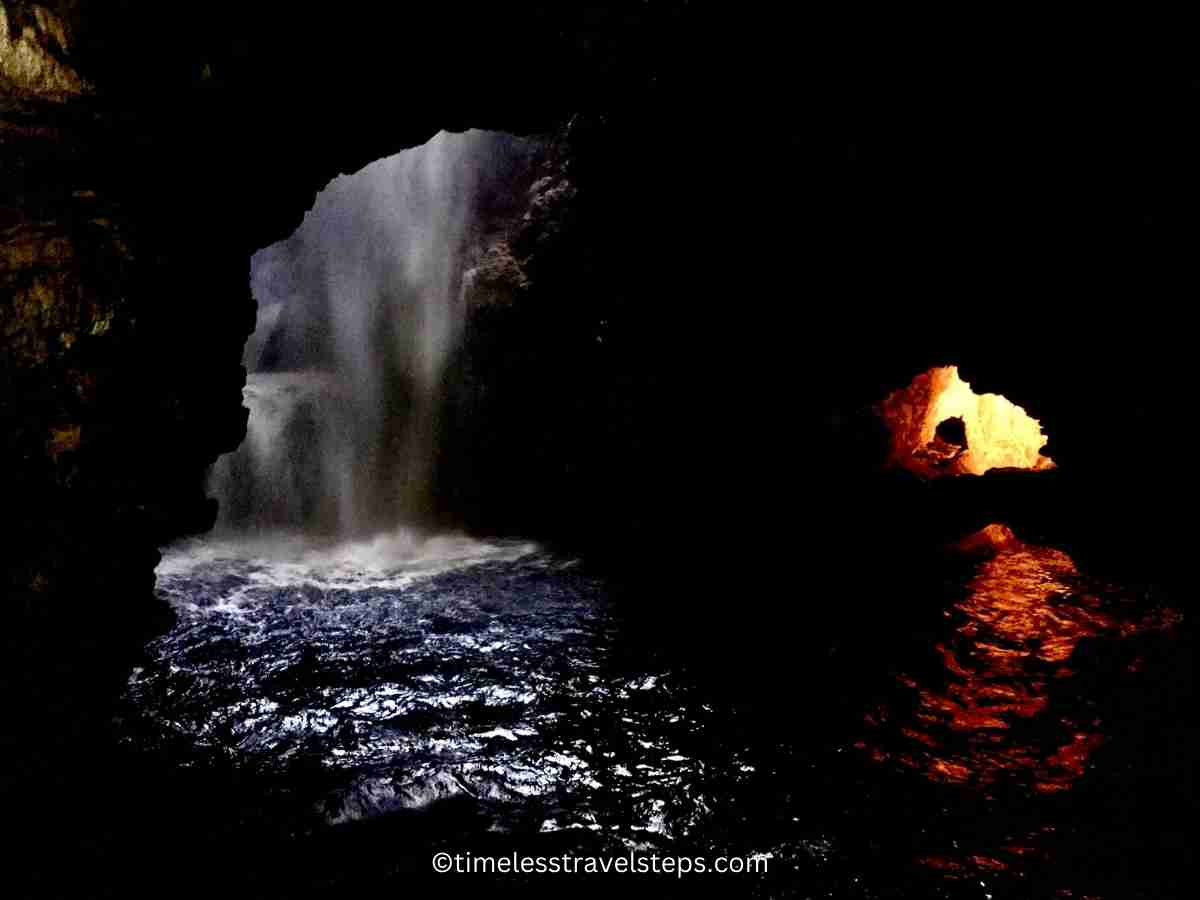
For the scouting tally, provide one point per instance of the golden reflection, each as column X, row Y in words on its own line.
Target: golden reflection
column 983, row 711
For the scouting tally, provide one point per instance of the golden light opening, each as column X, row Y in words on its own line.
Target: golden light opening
column 939, row 426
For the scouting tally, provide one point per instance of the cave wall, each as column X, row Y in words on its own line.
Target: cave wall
column 761, row 243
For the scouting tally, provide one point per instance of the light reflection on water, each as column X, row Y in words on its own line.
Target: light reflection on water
column 468, row 670
column 1017, row 627
column 494, row 674
column 999, row 707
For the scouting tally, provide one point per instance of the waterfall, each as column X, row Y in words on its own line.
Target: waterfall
column 359, row 312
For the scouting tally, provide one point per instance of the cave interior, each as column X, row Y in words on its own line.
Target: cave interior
column 958, row 266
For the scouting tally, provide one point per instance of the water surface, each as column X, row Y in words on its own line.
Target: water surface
column 405, row 676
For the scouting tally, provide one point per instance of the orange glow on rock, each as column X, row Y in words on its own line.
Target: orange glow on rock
column 982, row 431
column 987, row 540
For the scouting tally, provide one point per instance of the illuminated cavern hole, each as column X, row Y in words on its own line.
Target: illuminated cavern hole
column 939, row 426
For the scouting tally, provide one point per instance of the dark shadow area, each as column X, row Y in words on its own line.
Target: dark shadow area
column 772, row 226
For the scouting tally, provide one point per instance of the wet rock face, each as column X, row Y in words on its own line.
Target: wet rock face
column 35, row 45
column 110, row 411
column 65, row 329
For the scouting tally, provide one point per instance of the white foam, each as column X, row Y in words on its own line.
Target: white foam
column 391, row 561
column 381, row 555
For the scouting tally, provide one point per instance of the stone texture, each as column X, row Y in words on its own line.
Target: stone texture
column 35, row 44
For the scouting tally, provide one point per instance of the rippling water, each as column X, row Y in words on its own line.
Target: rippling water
column 398, row 674
column 1011, row 639
column 471, row 668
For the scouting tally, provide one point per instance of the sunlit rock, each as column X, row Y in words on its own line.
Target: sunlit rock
column 924, row 435
column 33, row 45
column 987, row 540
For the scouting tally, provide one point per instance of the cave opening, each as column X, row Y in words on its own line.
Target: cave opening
column 939, row 426
column 733, row 633
column 361, row 314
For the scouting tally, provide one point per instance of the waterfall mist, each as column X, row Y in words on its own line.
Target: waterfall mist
column 359, row 312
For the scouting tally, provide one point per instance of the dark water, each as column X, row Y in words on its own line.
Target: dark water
column 494, row 693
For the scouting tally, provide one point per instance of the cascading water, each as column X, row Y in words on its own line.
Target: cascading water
column 349, row 664
column 358, row 313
